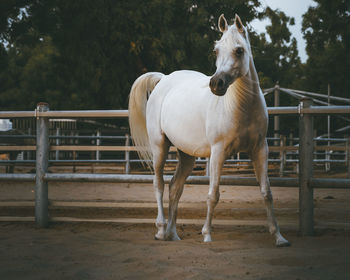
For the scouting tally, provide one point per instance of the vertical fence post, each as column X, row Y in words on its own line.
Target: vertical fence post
column 327, row 152
column 98, row 143
column 73, row 153
column 127, row 154
column 58, row 141
column 306, row 207
column 291, row 140
column 29, row 156
column 42, row 162
column 348, row 155
column 282, row 154
column 276, row 118
column 290, row 143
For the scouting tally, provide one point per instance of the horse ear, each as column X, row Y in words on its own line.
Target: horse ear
column 239, row 24
column 222, row 23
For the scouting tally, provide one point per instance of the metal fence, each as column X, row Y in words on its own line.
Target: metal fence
column 306, row 182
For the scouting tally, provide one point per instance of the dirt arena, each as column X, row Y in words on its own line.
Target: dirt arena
column 242, row 247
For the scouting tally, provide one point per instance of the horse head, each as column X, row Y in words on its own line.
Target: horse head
column 232, row 55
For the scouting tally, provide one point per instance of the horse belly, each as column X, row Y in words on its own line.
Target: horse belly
column 183, row 122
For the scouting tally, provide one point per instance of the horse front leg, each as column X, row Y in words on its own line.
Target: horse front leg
column 217, row 159
column 260, row 163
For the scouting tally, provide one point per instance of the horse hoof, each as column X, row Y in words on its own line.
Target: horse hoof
column 172, row 237
column 207, row 238
column 159, row 236
column 176, row 238
column 283, row 243
column 156, row 237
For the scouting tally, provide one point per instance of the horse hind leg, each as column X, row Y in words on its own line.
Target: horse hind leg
column 176, row 187
column 160, row 153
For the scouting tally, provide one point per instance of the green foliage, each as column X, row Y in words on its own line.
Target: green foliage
column 276, row 59
column 86, row 54
column 326, row 28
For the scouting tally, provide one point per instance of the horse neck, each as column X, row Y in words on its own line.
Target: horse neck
column 244, row 92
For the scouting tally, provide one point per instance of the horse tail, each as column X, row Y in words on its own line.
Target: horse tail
column 139, row 93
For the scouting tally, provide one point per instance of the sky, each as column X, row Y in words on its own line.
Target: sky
column 292, row 8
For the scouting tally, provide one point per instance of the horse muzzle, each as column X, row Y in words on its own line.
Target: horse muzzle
column 219, row 83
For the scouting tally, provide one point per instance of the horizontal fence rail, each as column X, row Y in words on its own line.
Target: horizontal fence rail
column 291, row 110
column 134, row 148
column 191, row 180
column 65, row 114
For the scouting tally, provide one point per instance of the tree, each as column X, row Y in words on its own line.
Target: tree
column 92, row 51
column 277, row 59
column 86, row 54
column 326, row 28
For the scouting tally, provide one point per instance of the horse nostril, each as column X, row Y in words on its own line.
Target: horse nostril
column 220, row 84
column 211, row 83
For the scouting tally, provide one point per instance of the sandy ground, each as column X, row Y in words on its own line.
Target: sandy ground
column 129, row 251
column 90, row 251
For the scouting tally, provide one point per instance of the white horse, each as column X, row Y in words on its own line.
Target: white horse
column 203, row 117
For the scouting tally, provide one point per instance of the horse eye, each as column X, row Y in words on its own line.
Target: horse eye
column 239, row 51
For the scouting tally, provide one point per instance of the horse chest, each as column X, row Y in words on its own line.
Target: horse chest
column 243, row 139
